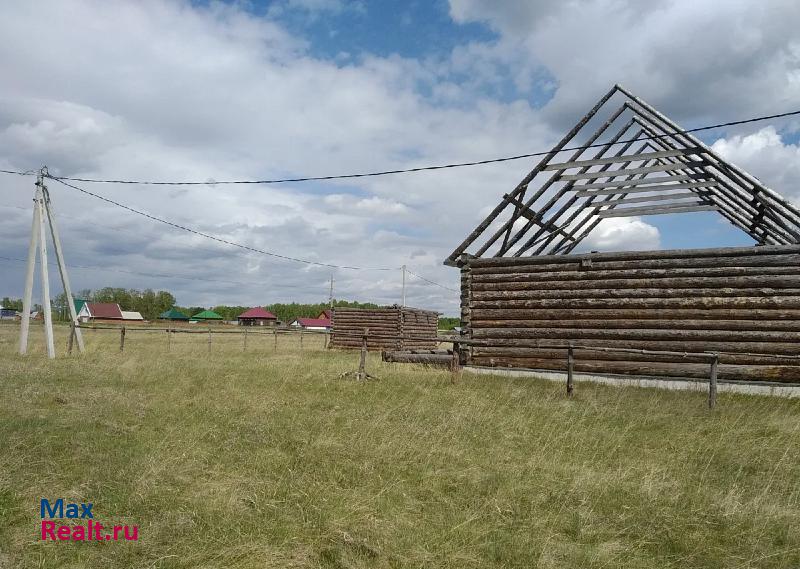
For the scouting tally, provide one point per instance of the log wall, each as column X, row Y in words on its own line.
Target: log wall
column 744, row 302
column 393, row 328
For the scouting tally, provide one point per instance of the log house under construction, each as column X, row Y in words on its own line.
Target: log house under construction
column 525, row 295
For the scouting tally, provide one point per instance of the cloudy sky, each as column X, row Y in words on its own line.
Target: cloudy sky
column 252, row 90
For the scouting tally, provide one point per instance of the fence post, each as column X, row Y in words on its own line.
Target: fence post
column 570, row 366
column 301, row 339
column 209, row 338
column 275, row 337
column 712, row 382
column 169, row 339
column 362, row 364
column 327, row 340
column 71, row 337
column 244, row 346
column 122, row 339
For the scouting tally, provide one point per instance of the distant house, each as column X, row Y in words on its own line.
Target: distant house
column 173, row 314
column 206, row 316
column 131, row 315
column 7, row 314
column 325, row 314
column 311, row 323
column 79, row 303
column 100, row 312
column 257, row 317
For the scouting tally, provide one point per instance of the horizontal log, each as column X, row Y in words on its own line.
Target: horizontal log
column 660, row 181
column 523, row 267
column 605, row 324
column 748, row 302
column 600, row 286
column 786, row 374
column 669, row 345
column 427, row 359
column 636, row 334
column 592, row 274
column 677, row 197
column 640, row 157
column 656, row 210
column 560, row 355
column 629, row 171
column 637, row 255
column 614, row 190
column 611, row 313
column 633, row 293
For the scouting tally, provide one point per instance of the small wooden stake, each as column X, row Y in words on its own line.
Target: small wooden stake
column 570, row 366
column 362, row 364
column 209, row 339
column 244, row 340
column 275, row 336
column 301, row 339
column 455, row 362
column 122, row 339
column 169, row 339
column 712, row 382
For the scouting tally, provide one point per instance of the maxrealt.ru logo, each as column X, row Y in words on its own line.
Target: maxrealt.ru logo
column 89, row 531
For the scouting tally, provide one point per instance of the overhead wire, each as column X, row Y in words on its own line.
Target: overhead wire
column 410, row 170
column 219, row 239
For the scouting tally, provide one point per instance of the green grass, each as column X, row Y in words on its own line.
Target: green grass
column 268, row 459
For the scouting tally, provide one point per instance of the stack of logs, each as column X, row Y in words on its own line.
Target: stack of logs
column 742, row 302
column 393, row 328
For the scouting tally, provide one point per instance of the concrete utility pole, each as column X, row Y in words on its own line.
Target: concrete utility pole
column 42, row 219
column 330, row 295
column 404, row 286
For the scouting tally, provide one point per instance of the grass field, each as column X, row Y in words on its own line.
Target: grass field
column 268, row 459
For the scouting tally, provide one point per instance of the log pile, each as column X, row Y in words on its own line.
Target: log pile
column 742, row 302
column 393, row 328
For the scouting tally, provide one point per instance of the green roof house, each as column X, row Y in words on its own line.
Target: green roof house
column 78, row 302
column 207, row 315
column 173, row 314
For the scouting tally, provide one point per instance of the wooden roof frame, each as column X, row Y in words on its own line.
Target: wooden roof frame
column 649, row 154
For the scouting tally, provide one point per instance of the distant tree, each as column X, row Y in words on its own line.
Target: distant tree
column 11, row 303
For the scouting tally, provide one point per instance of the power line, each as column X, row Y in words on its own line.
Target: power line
column 406, row 170
column 180, row 276
column 219, row 239
column 430, row 281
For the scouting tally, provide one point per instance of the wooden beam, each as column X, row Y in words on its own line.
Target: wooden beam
column 633, row 211
column 645, row 199
column 631, row 171
column 647, row 188
column 617, row 183
column 640, row 157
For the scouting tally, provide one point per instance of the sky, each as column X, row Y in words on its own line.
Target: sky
column 156, row 90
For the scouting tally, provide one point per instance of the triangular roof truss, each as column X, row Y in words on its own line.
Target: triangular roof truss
column 648, row 166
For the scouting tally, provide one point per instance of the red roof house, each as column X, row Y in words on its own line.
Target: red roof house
column 100, row 311
column 257, row 317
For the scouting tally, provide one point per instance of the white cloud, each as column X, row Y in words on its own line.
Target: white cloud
column 777, row 163
column 615, row 233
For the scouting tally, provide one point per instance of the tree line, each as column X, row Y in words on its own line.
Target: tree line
column 150, row 304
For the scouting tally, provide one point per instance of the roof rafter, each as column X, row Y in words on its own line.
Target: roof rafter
column 668, row 171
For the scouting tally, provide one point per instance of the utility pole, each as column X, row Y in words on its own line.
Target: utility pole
column 404, row 286
column 42, row 219
column 330, row 295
